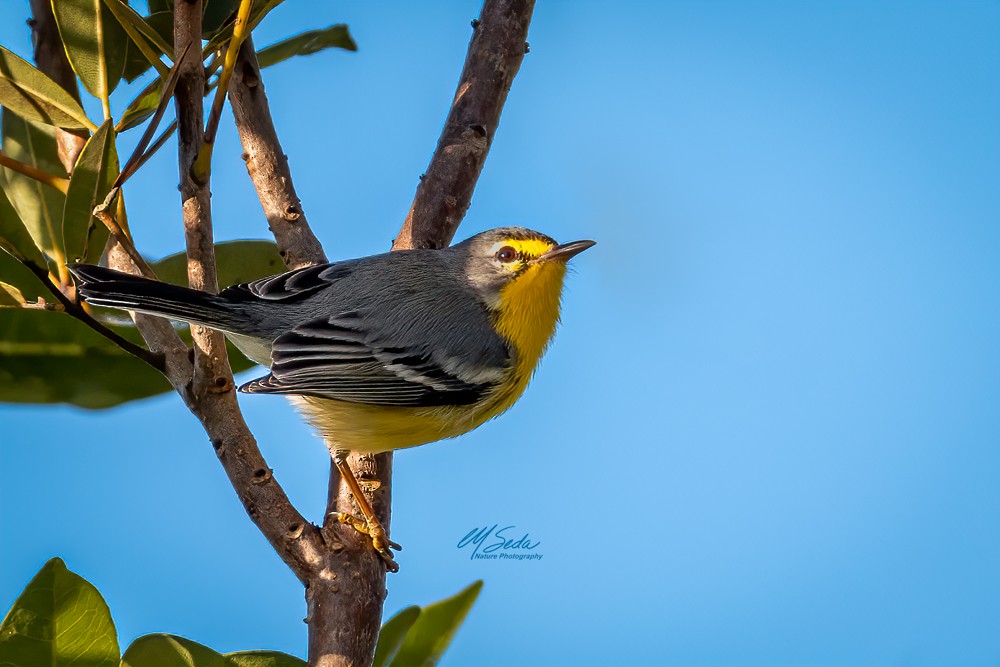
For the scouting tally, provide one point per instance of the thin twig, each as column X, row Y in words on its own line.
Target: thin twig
column 136, row 159
column 203, row 163
column 76, row 310
column 157, row 145
column 121, row 235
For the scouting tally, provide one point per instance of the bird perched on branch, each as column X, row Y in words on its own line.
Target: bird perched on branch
column 382, row 352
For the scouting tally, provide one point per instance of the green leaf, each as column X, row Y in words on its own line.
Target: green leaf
column 14, row 273
column 161, row 650
column 10, row 296
column 160, row 24
column 216, row 14
column 59, row 620
column 38, row 206
column 392, row 634
column 95, row 43
column 238, row 262
column 434, row 629
column 14, row 236
column 307, row 43
column 32, row 94
column 50, row 357
column 95, row 172
column 141, row 108
column 264, row 659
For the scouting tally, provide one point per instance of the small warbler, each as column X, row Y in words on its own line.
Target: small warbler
column 382, row 352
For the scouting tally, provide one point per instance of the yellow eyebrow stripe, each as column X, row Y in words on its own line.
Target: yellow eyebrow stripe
column 530, row 247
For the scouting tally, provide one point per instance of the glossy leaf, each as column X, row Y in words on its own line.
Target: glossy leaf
column 59, row 620
column 141, row 108
column 434, row 629
column 161, row 650
column 39, row 206
column 264, row 659
column 14, row 236
column 392, row 634
column 238, row 262
column 10, row 296
column 158, row 24
column 32, row 94
column 14, row 273
column 95, row 43
column 216, row 14
column 336, row 36
column 50, row 357
column 84, row 235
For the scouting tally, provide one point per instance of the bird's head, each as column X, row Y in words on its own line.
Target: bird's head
column 516, row 262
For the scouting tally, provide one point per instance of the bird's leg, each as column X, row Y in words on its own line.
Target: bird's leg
column 370, row 526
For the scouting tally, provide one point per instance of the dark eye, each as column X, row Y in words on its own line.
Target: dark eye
column 506, row 254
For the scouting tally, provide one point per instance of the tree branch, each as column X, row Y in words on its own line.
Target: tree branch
column 344, row 596
column 211, row 395
column 74, row 309
column 267, row 164
column 445, row 191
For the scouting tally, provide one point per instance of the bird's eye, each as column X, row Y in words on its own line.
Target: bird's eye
column 506, row 254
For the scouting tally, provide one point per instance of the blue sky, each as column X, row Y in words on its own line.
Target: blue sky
column 767, row 431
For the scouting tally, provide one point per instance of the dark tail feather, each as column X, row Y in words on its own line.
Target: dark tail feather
column 114, row 289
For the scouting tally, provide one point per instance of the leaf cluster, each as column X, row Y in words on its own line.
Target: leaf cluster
column 60, row 619
column 49, row 350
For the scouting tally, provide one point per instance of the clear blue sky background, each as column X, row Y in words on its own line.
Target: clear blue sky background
column 767, row 433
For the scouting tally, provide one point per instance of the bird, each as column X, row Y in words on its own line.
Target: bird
column 383, row 352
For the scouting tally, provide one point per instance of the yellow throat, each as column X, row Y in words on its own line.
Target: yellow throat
column 529, row 312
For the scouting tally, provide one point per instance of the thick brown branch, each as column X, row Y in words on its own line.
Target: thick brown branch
column 268, row 164
column 51, row 59
column 445, row 191
column 345, row 595
column 211, row 395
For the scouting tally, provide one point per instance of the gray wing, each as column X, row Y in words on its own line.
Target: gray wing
column 293, row 285
column 381, row 361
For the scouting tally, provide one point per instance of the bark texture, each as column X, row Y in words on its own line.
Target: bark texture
column 267, row 165
column 211, row 392
column 344, row 578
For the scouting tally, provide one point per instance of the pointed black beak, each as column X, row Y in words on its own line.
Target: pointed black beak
column 564, row 251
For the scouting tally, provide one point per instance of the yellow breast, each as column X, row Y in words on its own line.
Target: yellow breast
column 527, row 316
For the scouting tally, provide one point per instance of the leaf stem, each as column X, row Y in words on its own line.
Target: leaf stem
column 57, row 182
column 202, row 166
